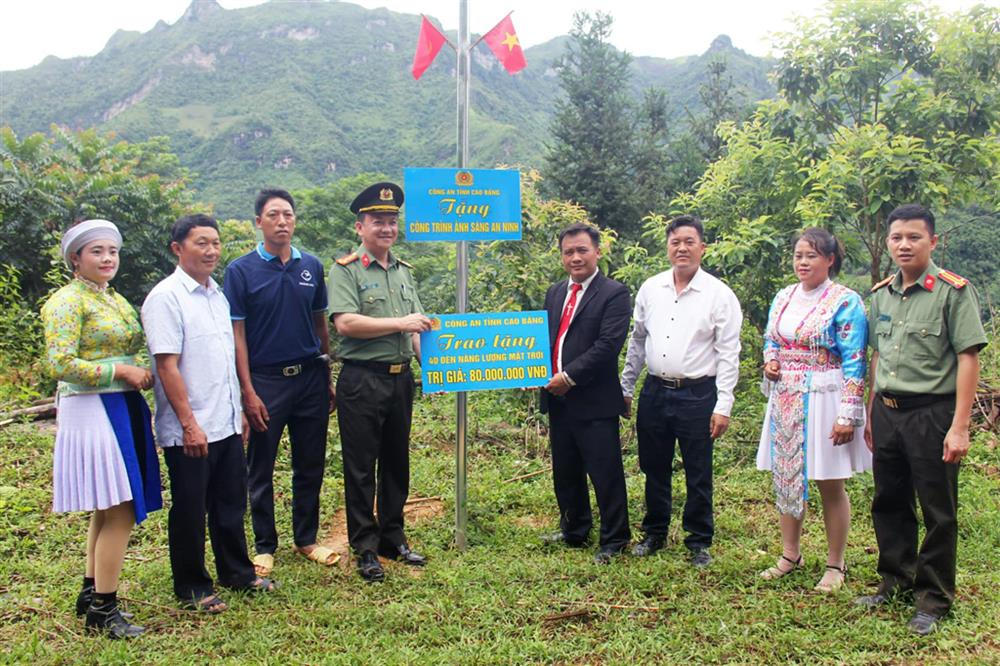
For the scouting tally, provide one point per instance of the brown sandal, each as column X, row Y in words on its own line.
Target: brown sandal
column 776, row 572
column 212, row 605
column 838, row 581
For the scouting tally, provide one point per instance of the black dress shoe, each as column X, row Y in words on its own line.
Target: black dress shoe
column 922, row 623
column 648, row 546
column 605, row 555
column 370, row 568
column 404, row 553
column 559, row 539
column 872, row 601
column 109, row 620
column 700, row 557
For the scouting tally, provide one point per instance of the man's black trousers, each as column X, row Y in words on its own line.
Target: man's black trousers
column 666, row 417
column 582, row 448
column 215, row 485
column 374, row 409
column 302, row 403
column 907, row 460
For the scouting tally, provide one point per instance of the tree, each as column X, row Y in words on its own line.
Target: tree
column 46, row 183
column 879, row 104
column 722, row 103
column 590, row 159
column 654, row 181
column 899, row 105
column 515, row 276
column 969, row 243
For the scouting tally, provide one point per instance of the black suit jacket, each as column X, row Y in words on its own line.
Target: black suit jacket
column 591, row 347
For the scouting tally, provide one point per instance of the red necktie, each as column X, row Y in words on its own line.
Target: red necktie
column 567, row 316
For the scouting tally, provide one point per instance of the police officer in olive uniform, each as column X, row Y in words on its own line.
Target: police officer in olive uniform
column 374, row 306
column 926, row 332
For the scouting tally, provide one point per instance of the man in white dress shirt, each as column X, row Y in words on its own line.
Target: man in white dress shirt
column 686, row 331
column 199, row 421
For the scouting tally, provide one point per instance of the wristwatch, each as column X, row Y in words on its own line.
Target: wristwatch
column 844, row 421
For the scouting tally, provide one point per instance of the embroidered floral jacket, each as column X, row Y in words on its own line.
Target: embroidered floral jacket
column 88, row 330
column 832, row 335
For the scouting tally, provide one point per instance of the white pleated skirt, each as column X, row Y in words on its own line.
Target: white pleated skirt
column 824, row 461
column 88, row 470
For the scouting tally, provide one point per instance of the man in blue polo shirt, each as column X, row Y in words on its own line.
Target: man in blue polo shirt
column 277, row 298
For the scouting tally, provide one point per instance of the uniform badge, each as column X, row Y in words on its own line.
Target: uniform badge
column 955, row 280
column 365, row 260
column 306, row 276
column 883, row 283
column 929, row 282
column 385, row 194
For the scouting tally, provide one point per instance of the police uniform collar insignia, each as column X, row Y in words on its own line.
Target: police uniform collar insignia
column 392, row 260
column 344, row 261
column 365, row 260
column 929, row 281
column 883, row 283
column 955, row 280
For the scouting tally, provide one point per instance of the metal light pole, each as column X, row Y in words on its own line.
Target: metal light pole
column 462, row 266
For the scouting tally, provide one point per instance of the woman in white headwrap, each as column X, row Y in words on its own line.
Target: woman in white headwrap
column 104, row 457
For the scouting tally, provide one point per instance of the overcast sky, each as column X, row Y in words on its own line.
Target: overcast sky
column 30, row 30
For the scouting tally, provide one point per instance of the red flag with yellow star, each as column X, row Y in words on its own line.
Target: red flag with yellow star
column 503, row 41
column 429, row 42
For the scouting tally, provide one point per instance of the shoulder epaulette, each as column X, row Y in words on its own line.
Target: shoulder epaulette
column 957, row 281
column 343, row 261
column 405, row 263
column 883, row 283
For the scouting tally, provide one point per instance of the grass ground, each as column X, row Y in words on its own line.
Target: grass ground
column 506, row 599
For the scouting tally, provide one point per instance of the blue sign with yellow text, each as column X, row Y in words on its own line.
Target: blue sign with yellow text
column 462, row 204
column 476, row 352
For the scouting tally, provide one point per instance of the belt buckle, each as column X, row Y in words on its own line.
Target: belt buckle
column 291, row 370
column 396, row 368
column 890, row 402
column 671, row 382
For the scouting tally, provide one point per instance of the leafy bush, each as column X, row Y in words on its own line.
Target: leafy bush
column 22, row 378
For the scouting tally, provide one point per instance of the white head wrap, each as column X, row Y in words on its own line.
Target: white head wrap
column 85, row 232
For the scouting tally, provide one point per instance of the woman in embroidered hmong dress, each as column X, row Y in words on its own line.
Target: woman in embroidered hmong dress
column 104, row 457
column 814, row 368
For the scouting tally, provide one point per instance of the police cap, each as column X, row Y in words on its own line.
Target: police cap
column 378, row 198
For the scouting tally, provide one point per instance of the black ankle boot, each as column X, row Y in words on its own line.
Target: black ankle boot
column 86, row 596
column 104, row 616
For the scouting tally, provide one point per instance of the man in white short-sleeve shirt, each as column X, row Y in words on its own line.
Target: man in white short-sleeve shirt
column 199, row 421
column 686, row 332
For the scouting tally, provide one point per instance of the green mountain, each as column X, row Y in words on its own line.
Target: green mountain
column 297, row 94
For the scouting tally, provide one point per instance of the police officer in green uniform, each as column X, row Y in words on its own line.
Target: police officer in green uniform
column 925, row 329
column 374, row 306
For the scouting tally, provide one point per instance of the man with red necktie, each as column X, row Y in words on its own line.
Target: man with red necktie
column 588, row 324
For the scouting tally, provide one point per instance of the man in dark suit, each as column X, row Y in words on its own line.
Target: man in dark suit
column 588, row 323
